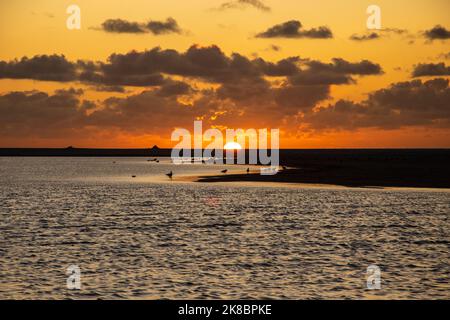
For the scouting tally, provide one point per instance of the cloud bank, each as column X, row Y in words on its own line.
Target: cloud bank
column 293, row 29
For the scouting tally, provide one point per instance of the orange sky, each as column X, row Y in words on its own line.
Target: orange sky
column 36, row 27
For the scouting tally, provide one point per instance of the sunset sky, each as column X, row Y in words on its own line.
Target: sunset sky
column 309, row 68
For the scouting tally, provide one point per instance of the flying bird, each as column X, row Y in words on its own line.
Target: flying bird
column 224, row 171
column 170, row 174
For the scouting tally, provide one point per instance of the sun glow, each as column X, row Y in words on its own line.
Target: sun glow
column 232, row 146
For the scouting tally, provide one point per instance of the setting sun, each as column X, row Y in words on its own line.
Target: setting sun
column 232, row 146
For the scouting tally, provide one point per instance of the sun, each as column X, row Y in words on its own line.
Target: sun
column 232, row 146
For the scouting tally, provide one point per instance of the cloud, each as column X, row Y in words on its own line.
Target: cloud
column 395, row 30
column 146, row 112
column 274, row 47
column 175, row 88
column 283, row 67
column 40, row 114
column 254, row 102
column 300, row 98
column 242, row 4
column 413, row 103
column 163, row 27
column 112, row 88
column 40, row 67
column 155, row 27
column 382, row 33
column 156, row 67
column 431, row 69
column 292, row 29
column 339, row 71
column 122, row 26
column 437, row 33
column 365, row 37
column 404, row 104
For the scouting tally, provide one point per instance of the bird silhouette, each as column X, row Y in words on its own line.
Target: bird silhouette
column 248, row 170
column 133, row 176
column 224, row 171
column 170, row 174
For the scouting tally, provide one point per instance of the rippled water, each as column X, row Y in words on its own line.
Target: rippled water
column 148, row 237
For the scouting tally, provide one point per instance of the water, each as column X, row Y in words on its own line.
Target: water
column 152, row 238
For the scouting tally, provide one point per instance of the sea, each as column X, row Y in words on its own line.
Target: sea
column 85, row 228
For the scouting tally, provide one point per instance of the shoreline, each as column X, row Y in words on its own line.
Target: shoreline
column 297, row 177
column 357, row 168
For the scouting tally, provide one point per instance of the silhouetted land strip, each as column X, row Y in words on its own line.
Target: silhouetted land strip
column 424, row 168
column 421, row 168
column 83, row 152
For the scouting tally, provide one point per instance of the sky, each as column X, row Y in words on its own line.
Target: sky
column 138, row 69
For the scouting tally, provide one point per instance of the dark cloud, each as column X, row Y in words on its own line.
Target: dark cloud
column 364, row 67
column 146, row 112
column 300, row 98
column 274, row 47
column 40, row 114
column 339, row 71
column 257, row 89
column 155, row 67
column 122, row 26
column 437, row 33
column 155, row 27
column 382, row 33
column 293, row 29
column 241, row 4
column 175, row 88
column 41, row 67
column 413, row 103
column 365, row 37
column 104, row 88
column 431, row 69
column 395, row 30
column 209, row 64
column 254, row 104
column 284, row 67
column 163, row 27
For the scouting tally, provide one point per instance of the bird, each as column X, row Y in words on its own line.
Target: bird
column 157, row 161
column 133, row 176
column 170, row 174
column 224, row 171
column 248, row 170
